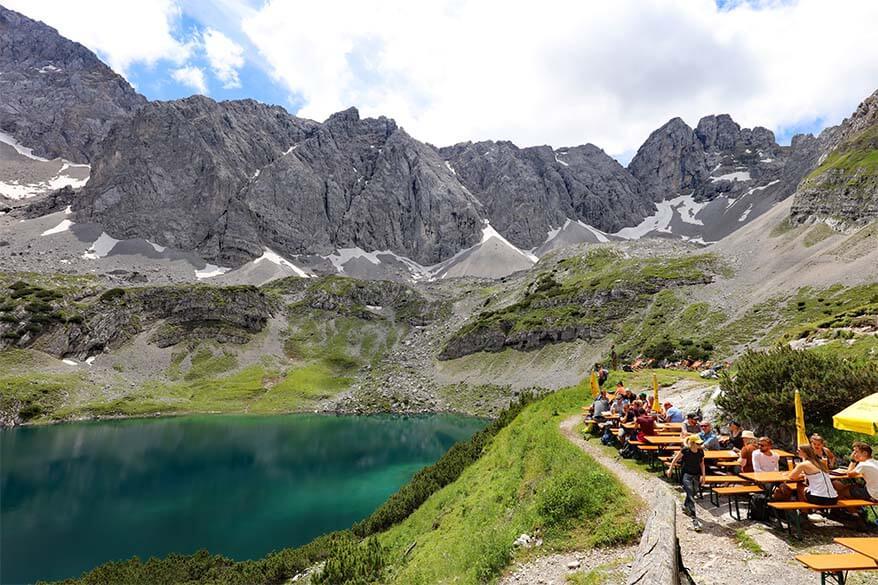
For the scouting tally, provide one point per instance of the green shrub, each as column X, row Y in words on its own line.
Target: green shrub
column 762, row 393
column 495, row 554
column 112, row 294
column 352, row 563
column 29, row 411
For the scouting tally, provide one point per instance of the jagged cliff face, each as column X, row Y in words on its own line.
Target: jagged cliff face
column 169, row 173
column 843, row 189
column 718, row 157
column 56, row 96
column 529, row 191
column 228, row 179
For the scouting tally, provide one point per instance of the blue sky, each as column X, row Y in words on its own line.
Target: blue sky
column 564, row 72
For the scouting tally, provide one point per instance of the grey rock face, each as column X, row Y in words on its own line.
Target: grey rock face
column 528, row 191
column 228, row 179
column 671, row 161
column 719, row 158
column 169, row 173
column 56, row 96
column 844, row 187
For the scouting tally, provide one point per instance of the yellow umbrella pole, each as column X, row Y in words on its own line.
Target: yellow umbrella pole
column 801, row 435
column 656, row 407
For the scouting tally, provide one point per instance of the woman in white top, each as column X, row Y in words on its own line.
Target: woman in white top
column 819, row 489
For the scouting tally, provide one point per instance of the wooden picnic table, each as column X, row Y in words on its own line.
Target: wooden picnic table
column 768, row 477
column 664, row 439
column 867, row 545
column 710, row 455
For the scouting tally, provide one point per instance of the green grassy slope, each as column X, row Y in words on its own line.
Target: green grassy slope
column 530, row 479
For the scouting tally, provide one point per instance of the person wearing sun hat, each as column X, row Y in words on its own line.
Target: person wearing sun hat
column 746, row 461
column 691, row 459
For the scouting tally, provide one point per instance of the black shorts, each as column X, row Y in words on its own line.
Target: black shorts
column 820, row 500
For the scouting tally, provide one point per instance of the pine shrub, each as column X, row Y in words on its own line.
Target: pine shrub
column 762, row 393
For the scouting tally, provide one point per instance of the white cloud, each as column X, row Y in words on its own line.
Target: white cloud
column 191, row 77
column 122, row 33
column 568, row 72
column 225, row 57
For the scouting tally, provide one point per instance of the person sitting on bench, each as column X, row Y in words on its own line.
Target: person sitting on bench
column 746, row 461
column 708, row 436
column 823, row 452
column 763, row 458
column 819, row 490
column 863, row 464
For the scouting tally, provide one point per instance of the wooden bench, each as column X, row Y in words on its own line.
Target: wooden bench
column 794, row 510
column 734, row 492
column 836, row 566
column 712, row 481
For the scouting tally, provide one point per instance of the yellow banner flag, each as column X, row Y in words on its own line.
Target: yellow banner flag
column 656, row 406
column 595, row 388
column 801, row 435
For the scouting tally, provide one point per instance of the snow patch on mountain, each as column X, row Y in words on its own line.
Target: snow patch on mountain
column 733, row 176
column 489, row 232
column 101, row 248
column 61, row 227
column 275, row 258
column 210, row 271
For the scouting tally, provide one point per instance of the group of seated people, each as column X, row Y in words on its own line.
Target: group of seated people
column 755, row 453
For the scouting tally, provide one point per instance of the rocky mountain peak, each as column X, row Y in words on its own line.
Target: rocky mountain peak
column 671, row 161
column 718, row 132
column 56, row 96
column 843, row 189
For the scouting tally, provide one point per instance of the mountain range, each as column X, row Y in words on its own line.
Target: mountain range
column 227, row 181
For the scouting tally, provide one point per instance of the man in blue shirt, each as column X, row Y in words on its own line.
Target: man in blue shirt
column 708, row 437
column 673, row 414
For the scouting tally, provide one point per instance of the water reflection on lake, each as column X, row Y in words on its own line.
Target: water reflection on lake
column 77, row 495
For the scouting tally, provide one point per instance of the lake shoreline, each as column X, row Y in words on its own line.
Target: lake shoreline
column 177, row 414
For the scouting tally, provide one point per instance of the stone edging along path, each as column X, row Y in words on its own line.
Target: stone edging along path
column 712, row 556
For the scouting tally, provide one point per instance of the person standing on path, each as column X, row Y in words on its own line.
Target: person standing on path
column 692, row 467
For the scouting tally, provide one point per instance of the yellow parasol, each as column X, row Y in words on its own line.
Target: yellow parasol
column 595, row 388
column 801, row 435
column 859, row 417
column 656, row 407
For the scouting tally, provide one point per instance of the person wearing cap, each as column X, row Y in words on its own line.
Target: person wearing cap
column 746, row 461
column 691, row 459
column 709, row 438
column 690, row 425
column 673, row 414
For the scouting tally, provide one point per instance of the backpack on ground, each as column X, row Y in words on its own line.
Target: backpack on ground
column 758, row 507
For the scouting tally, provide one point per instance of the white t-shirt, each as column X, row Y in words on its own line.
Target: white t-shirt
column 869, row 471
column 763, row 462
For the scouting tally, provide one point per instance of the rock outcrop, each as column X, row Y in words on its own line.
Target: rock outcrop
column 527, row 192
column 843, row 189
column 48, row 321
column 56, row 96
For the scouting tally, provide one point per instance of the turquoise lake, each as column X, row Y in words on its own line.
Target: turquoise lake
column 73, row 496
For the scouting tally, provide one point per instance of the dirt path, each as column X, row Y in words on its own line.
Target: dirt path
column 714, row 556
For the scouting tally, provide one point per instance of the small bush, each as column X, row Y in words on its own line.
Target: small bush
column 352, row 563
column 112, row 294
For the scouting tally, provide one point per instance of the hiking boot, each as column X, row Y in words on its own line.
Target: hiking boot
column 696, row 525
column 689, row 512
